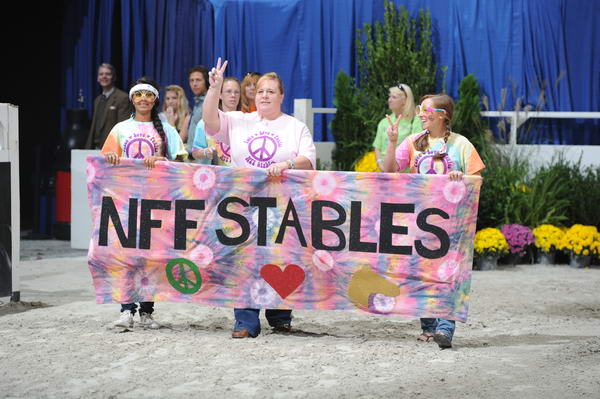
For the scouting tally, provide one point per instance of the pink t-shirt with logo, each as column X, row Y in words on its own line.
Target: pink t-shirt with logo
column 259, row 143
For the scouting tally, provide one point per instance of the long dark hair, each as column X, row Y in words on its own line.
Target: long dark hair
column 154, row 113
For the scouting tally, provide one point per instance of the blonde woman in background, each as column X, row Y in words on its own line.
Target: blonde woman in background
column 176, row 110
column 402, row 104
column 249, row 91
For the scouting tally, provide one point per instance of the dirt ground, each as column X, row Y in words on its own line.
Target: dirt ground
column 533, row 332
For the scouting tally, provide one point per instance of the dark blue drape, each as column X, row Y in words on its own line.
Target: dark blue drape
column 156, row 38
column 542, row 52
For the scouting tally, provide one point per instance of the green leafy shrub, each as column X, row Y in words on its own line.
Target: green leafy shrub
column 397, row 51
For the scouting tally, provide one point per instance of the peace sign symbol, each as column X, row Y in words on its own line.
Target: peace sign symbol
column 224, row 148
column 139, row 148
column 182, row 283
column 262, row 148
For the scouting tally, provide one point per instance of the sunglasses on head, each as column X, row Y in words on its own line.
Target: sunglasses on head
column 399, row 86
column 427, row 110
column 144, row 93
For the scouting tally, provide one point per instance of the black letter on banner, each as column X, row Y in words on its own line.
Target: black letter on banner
column 387, row 228
column 435, row 230
column 295, row 222
column 318, row 225
column 355, row 243
column 146, row 221
column 243, row 222
column 262, row 203
column 110, row 211
column 181, row 223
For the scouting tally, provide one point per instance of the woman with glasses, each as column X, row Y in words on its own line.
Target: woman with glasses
column 204, row 147
column 143, row 136
column 176, row 111
column 249, row 91
column 402, row 105
column 436, row 150
column 268, row 140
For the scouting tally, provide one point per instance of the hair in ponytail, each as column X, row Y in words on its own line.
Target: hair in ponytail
column 444, row 102
column 156, row 122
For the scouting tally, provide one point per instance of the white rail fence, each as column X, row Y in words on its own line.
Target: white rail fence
column 589, row 154
column 9, row 154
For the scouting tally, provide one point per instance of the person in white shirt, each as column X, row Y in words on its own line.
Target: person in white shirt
column 266, row 139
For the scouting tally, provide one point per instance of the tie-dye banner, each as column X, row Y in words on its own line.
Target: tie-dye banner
column 394, row 244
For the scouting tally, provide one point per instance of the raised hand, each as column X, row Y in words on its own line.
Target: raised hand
column 392, row 131
column 170, row 113
column 215, row 76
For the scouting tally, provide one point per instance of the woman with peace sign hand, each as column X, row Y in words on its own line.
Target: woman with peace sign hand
column 266, row 139
column 403, row 120
column 436, row 150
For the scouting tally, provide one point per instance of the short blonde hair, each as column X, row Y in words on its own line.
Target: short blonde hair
column 408, row 112
column 271, row 76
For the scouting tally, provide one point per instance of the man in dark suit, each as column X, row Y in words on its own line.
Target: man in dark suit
column 110, row 107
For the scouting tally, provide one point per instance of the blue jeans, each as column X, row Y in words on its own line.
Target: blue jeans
column 443, row 325
column 248, row 319
column 145, row 307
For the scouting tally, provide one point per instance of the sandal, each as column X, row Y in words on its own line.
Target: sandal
column 425, row 337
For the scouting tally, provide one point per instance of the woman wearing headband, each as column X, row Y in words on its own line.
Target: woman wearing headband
column 143, row 136
column 402, row 105
column 266, row 139
column 436, row 150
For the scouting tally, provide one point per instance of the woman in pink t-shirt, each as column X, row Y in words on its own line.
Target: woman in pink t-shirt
column 266, row 139
column 436, row 150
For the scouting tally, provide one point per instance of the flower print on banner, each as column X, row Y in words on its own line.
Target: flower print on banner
column 144, row 284
column 324, row 183
column 201, row 255
column 379, row 303
column 454, row 191
column 323, row 260
column 262, row 294
column 204, row 178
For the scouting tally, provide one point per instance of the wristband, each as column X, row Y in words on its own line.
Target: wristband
column 291, row 164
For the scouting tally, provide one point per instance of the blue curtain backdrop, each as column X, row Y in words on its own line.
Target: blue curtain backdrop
column 537, row 50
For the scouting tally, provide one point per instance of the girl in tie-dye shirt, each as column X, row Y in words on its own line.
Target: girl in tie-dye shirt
column 144, row 137
column 436, row 150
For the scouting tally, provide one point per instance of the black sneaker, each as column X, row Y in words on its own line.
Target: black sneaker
column 443, row 341
column 282, row 328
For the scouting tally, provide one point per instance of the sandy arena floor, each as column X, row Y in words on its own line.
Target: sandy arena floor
column 533, row 332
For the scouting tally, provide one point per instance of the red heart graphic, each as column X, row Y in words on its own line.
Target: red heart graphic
column 283, row 281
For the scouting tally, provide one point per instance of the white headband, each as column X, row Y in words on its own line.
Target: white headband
column 143, row 86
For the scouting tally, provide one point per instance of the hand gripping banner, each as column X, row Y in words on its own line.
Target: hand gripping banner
column 393, row 244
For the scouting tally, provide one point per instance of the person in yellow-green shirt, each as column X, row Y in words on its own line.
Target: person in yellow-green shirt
column 402, row 104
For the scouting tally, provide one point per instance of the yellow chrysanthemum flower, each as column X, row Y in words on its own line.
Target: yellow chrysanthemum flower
column 368, row 163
